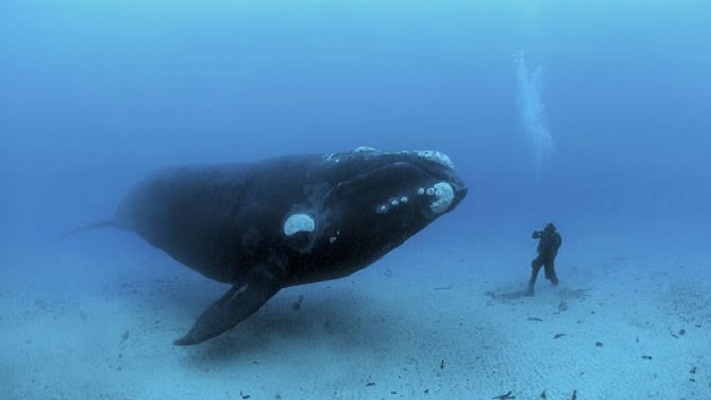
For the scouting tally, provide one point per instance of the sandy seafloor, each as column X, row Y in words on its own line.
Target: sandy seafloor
column 425, row 322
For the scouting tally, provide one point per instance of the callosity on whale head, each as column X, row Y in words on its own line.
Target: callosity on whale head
column 377, row 201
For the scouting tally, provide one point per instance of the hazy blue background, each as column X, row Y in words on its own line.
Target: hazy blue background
column 94, row 94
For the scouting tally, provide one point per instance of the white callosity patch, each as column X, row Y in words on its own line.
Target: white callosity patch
column 444, row 195
column 332, row 158
column 299, row 223
column 391, row 204
column 362, row 149
column 336, row 157
column 436, row 156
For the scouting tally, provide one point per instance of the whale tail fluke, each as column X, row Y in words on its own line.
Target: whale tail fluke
column 108, row 223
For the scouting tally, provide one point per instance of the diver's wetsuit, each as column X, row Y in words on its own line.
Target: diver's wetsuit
column 548, row 245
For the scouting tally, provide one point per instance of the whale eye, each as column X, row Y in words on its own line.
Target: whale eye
column 299, row 223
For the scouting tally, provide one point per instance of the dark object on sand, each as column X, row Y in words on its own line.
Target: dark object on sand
column 548, row 245
column 505, row 396
column 681, row 332
column 286, row 221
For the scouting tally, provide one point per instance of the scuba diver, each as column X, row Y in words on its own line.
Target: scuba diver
column 548, row 245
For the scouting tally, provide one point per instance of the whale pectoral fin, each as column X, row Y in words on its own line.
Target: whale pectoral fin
column 238, row 303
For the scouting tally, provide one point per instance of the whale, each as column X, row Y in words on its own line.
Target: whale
column 284, row 221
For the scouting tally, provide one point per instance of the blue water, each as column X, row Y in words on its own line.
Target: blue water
column 593, row 115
